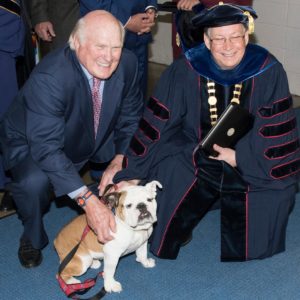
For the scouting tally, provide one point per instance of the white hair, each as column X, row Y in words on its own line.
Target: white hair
column 79, row 32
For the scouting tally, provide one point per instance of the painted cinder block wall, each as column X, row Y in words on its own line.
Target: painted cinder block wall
column 277, row 29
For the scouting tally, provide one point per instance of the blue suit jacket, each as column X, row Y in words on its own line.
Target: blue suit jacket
column 122, row 10
column 52, row 118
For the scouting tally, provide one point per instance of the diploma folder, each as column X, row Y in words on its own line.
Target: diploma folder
column 233, row 124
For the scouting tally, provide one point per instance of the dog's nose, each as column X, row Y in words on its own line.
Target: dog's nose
column 142, row 207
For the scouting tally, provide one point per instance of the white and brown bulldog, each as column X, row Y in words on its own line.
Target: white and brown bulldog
column 135, row 213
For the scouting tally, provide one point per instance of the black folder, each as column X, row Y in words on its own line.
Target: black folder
column 233, row 124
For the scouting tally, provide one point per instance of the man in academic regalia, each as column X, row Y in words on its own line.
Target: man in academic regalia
column 188, row 6
column 255, row 179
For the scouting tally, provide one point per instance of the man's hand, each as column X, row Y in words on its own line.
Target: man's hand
column 152, row 15
column 100, row 219
column 225, row 154
column 187, row 4
column 108, row 175
column 45, row 31
column 140, row 23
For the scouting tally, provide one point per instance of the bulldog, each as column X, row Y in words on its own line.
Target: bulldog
column 135, row 212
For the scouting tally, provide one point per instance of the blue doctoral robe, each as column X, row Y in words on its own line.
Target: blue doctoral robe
column 257, row 196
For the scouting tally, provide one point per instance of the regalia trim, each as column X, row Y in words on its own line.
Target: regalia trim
column 256, row 60
column 279, row 129
column 283, row 150
column 137, row 146
column 285, row 170
column 172, row 216
column 158, row 109
column 149, row 131
column 278, row 107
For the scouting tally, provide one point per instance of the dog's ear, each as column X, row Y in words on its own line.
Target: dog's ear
column 151, row 187
column 112, row 199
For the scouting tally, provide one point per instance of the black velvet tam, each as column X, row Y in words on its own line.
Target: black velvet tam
column 222, row 15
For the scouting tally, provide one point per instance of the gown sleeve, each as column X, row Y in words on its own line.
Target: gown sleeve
column 268, row 156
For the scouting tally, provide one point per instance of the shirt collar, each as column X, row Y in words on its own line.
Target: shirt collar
column 90, row 77
column 87, row 74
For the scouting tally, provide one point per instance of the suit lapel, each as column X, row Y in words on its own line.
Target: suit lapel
column 84, row 95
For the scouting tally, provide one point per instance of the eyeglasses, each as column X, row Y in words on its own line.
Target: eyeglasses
column 233, row 39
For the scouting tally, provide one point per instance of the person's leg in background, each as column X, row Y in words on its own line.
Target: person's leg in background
column 16, row 63
column 8, row 89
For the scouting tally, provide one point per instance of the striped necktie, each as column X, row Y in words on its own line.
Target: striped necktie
column 96, row 103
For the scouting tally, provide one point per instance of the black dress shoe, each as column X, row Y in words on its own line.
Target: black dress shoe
column 29, row 257
column 7, row 202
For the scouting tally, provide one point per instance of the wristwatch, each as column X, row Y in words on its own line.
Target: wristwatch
column 152, row 8
column 81, row 200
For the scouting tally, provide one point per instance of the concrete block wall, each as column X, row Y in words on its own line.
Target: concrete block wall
column 277, row 29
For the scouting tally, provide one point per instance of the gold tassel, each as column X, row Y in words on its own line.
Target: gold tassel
column 177, row 40
column 250, row 22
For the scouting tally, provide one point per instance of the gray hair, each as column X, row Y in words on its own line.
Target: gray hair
column 79, row 31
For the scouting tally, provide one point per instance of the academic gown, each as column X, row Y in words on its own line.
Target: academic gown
column 257, row 196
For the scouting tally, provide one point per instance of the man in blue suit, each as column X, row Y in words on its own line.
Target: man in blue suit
column 48, row 134
column 137, row 17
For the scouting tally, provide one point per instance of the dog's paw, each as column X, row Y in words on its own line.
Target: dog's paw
column 112, row 286
column 147, row 263
column 72, row 280
column 96, row 264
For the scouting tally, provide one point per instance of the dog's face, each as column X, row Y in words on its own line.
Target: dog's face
column 137, row 205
